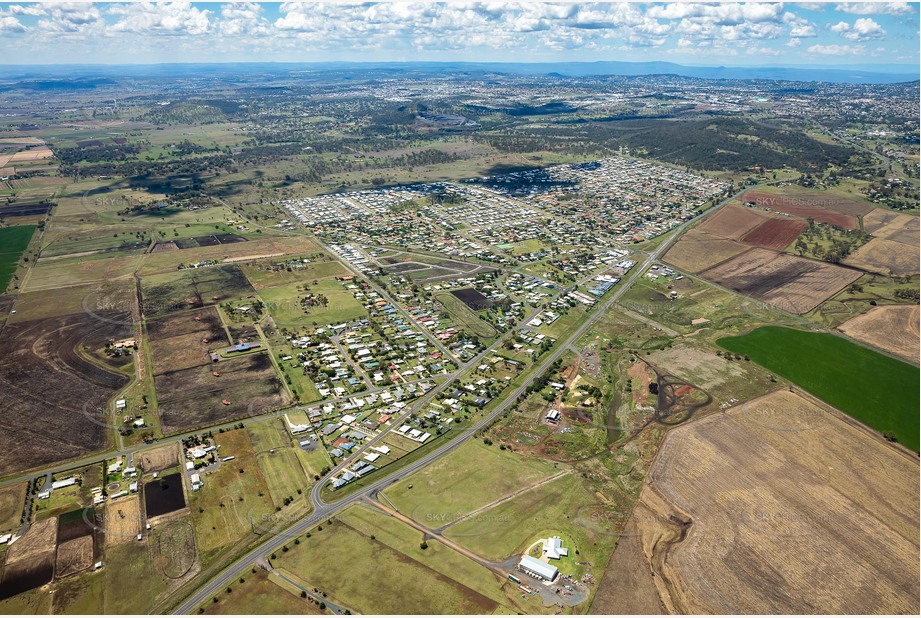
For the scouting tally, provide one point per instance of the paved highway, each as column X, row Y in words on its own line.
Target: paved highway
column 323, row 510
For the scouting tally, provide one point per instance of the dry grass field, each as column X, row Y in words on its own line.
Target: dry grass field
column 12, row 498
column 787, row 282
column 158, row 459
column 893, row 328
column 122, row 520
column 774, row 506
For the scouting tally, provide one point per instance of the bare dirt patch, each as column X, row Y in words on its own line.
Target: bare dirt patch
column 777, row 506
column 893, row 328
column 787, row 282
column 74, row 556
column 699, row 367
column 122, row 520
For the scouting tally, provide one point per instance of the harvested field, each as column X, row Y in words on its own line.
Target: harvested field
column 886, row 257
column 895, row 246
column 881, row 222
column 775, row 234
column 194, row 397
column 158, row 459
column 787, row 282
column 697, row 251
column 778, row 506
column 894, row 329
column 807, row 204
column 41, row 378
column 74, row 556
column 122, row 520
column 733, row 222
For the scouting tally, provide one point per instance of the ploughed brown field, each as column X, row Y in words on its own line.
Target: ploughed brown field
column 775, row 234
column 53, row 399
column 810, row 204
column 787, row 282
column 774, row 506
column 893, row 328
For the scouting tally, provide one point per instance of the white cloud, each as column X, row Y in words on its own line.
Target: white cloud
column 174, row 18
column 32, row 9
column 875, row 8
column 836, row 50
column 863, row 29
column 9, row 24
column 243, row 19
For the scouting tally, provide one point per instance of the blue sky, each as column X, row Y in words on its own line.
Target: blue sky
column 732, row 34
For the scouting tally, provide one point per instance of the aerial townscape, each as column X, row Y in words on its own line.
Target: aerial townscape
column 440, row 308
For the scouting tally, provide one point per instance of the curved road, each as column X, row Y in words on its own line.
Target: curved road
column 323, row 510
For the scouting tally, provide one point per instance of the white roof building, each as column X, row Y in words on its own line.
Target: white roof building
column 538, row 568
column 553, row 548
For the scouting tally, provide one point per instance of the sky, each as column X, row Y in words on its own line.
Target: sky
column 699, row 34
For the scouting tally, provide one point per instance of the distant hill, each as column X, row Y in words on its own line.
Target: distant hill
column 863, row 74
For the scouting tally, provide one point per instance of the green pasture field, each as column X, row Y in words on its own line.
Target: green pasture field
column 222, row 508
column 13, row 241
column 263, row 278
column 33, row 602
column 472, row 476
column 279, row 462
column 282, row 304
column 83, row 594
column 259, row 594
column 372, row 577
column 438, row 557
column 873, row 388
column 465, row 318
column 301, row 385
column 561, row 507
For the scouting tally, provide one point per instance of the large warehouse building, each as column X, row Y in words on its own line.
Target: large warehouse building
column 537, row 568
